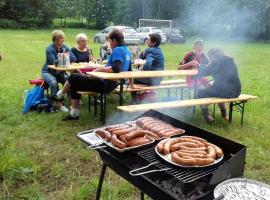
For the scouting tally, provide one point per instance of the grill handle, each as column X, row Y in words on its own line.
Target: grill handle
column 96, row 146
column 220, row 197
column 136, row 172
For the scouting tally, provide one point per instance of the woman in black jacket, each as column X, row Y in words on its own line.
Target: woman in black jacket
column 226, row 81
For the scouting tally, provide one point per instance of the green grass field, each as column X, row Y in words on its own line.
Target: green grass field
column 40, row 157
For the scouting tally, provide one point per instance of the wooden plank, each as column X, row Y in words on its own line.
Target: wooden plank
column 76, row 66
column 158, row 87
column 171, row 82
column 184, row 103
column 142, row 74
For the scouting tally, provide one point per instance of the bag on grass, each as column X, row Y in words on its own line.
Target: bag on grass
column 33, row 98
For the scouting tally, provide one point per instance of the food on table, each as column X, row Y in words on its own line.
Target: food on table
column 189, row 151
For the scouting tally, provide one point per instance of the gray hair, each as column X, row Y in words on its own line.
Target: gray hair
column 81, row 36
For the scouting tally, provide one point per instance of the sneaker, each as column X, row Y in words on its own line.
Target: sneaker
column 64, row 109
column 70, row 118
column 209, row 119
column 59, row 95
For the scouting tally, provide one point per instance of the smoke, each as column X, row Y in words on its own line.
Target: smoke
column 220, row 19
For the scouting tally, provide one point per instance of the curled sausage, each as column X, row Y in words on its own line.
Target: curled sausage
column 180, row 145
column 106, row 135
column 211, row 152
column 168, row 144
column 182, row 161
column 112, row 129
column 160, row 146
column 196, row 138
column 138, row 141
column 131, row 135
column 218, row 149
column 151, row 134
column 192, row 155
column 116, row 142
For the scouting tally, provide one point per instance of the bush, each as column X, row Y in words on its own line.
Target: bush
column 8, row 23
column 29, row 23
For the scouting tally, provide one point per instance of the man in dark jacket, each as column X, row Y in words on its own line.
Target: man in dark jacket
column 226, row 81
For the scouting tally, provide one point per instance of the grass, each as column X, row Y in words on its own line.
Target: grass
column 40, row 157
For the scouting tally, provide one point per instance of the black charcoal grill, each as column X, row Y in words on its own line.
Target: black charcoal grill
column 174, row 182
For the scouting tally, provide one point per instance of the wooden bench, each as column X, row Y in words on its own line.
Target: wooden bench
column 238, row 103
column 171, row 82
column 91, row 94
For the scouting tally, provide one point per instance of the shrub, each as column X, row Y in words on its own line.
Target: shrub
column 8, row 23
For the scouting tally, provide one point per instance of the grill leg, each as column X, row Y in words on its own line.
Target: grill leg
column 104, row 108
column 101, row 107
column 122, row 82
column 230, row 112
column 101, row 177
column 142, row 196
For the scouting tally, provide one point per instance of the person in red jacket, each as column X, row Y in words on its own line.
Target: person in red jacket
column 192, row 60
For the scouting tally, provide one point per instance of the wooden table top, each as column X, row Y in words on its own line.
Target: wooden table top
column 76, row 66
column 142, row 74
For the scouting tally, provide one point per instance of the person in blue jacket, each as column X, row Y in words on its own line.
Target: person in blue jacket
column 119, row 61
column 154, row 62
column 52, row 77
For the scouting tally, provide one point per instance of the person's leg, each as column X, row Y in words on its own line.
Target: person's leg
column 204, row 93
column 51, row 80
column 223, row 111
column 79, row 82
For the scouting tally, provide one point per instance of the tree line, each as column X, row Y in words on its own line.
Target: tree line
column 249, row 18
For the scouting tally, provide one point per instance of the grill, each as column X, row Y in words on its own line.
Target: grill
column 168, row 181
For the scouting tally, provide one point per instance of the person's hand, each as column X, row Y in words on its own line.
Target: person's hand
column 194, row 63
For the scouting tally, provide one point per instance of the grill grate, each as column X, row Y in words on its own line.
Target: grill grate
column 182, row 174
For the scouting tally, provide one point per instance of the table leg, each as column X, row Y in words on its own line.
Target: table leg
column 122, row 81
column 101, row 178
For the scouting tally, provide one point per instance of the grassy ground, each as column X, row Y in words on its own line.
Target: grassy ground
column 40, row 158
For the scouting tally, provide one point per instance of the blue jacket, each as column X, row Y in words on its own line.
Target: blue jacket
column 52, row 55
column 154, row 62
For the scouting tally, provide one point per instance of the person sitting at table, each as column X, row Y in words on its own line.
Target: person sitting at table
column 119, row 61
column 105, row 50
column 154, row 62
column 226, row 81
column 82, row 51
column 53, row 77
column 192, row 60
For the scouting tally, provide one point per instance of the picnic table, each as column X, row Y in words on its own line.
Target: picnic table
column 76, row 66
column 139, row 74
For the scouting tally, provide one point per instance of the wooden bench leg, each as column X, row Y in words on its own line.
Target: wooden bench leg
column 95, row 105
column 89, row 103
column 214, row 110
column 230, row 112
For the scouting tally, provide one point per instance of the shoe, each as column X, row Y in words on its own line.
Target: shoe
column 209, row 119
column 64, row 109
column 59, row 95
column 70, row 118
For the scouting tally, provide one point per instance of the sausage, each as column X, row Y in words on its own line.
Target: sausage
column 142, row 120
column 192, row 155
column 148, row 123
column 188, row 148
column 211, row 152
column 185, row 139
column 151, row 134
column 157, row 129
column 106, row 135
column 172, row 132
column 124, row 131
column 193, row 151
column 179, row 146
column 203, row 161
column 131, row 135
column 124, row 126
column 196, row 138
column 154, row 124
column 116, row 142
column 138, row 141
column 160, row 146
column 218, row 149
column 168, row 144
column 182, row 161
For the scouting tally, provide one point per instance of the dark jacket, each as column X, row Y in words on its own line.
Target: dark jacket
column 154, row 62
column 225, row 74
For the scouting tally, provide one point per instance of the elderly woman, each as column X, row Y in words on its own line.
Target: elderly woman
column 82, row 51
column 226, row 81
column 52, row 77
column 119, row 61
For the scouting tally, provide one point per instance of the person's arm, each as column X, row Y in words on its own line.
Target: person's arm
column 115, row 68
column 188, row 65
column 143, row 55
column 50, row 56
column 72, row 57
column 205, row 70
column 149, row 62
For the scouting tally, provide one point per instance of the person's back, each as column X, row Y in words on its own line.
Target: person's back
column 158, row 59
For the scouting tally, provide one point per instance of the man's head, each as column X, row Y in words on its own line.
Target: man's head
column 58, row 37
column 154, row 40
column 198, row 47
column 116, row 38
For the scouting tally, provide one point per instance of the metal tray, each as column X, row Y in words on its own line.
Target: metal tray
column 242, row 188
column 109, row 144
column 168, row 159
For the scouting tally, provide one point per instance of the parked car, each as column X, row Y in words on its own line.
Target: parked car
column 143, row 33
column 173, row 35
column 130, row 35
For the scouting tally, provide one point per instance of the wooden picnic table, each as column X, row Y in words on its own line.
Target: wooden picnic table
column 76, row 66
column 139, row 74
